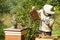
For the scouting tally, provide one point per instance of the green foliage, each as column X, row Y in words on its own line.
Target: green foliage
column 22, row 8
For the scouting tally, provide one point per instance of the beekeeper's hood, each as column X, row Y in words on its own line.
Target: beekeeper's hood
column 49, row 9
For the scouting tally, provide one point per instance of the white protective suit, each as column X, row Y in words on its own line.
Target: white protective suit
column 46, row 21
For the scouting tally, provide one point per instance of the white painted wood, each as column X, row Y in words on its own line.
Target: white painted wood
column 12, row 33
column 43, row 39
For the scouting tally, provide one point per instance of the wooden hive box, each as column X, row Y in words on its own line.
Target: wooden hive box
column 44, row 38
column 15, row 34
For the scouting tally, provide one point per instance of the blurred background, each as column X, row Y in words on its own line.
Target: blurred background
column 21, row 9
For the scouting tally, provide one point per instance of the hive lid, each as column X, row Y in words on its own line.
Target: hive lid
column 13, row 29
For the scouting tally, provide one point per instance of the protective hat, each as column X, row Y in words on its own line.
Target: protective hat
column 49, row 9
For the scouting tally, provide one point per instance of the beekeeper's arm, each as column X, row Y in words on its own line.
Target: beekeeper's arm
column 51, row 22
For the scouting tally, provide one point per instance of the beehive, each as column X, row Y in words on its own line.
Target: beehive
column 15, row 34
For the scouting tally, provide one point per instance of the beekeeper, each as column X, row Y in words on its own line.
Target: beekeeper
column 47, row 19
